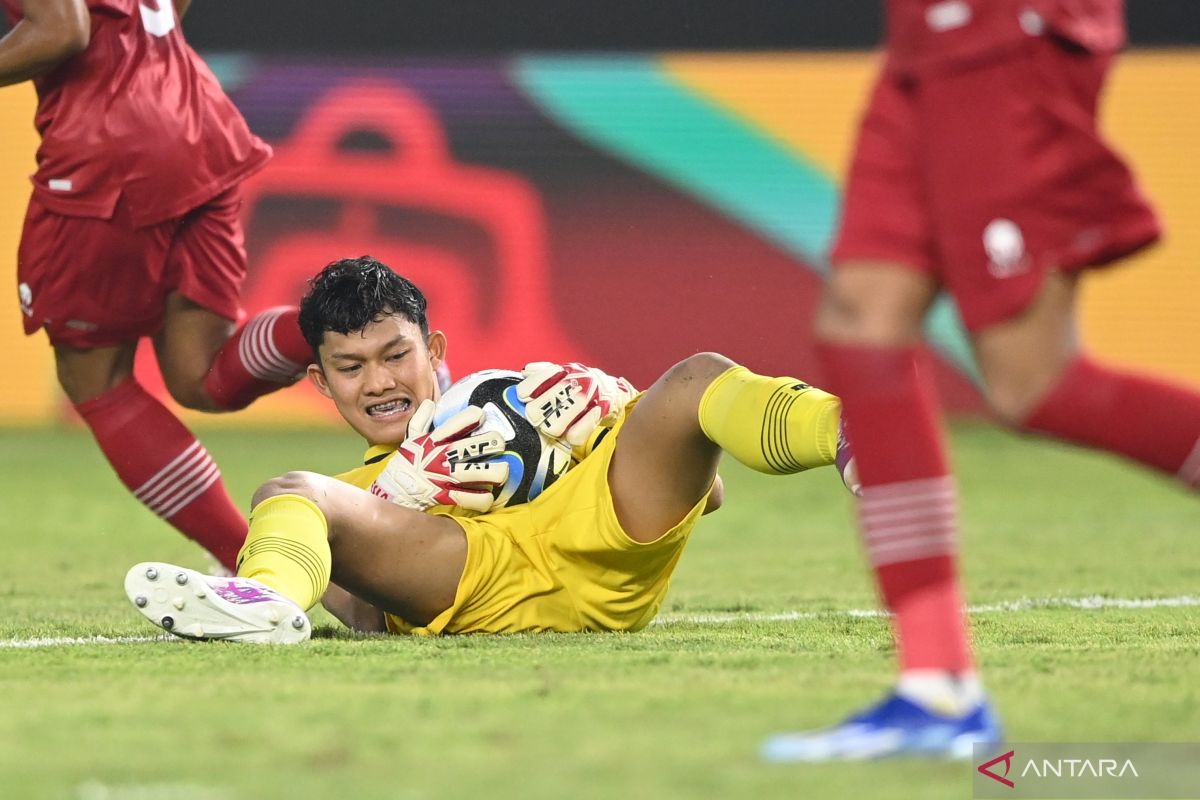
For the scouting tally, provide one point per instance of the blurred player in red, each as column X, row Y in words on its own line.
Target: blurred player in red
column 979, row 170
column 133, row 231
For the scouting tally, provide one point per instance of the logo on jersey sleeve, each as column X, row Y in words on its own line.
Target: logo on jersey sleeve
column 25, row 295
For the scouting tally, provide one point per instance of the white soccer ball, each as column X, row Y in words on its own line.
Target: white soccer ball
column 534, row 461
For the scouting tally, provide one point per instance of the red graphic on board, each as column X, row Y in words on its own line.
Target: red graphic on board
column 492, row 297
column 495, row 308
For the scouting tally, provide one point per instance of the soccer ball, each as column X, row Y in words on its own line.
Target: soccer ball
column 534, row 461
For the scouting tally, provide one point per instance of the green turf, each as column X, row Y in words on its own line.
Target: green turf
column 676, row 711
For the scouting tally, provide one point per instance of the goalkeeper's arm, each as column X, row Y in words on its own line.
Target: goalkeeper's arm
column 355, row 614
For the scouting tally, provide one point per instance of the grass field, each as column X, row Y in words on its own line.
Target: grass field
column 676, row 711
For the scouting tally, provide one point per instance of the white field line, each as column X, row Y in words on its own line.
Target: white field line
column 1090, row 603
column 62, row 641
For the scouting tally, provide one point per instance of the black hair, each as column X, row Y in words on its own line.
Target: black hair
column 351, row 293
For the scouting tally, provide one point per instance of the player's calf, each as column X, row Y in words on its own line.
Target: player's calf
column 777, row 426
column 287, row 546
column 875, row 303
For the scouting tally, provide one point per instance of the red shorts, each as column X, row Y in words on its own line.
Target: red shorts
column 989, row 177
column 96, row 283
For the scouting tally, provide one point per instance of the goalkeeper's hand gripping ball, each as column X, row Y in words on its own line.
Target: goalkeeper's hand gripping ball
column 453, row 464
column 569, row 401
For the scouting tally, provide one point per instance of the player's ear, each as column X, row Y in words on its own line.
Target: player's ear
column 436, row 344
column 316, row 376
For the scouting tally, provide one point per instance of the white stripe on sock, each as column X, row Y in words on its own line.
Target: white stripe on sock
column 176, row 485
column 927, row 546
column 168, row 500
column 260, row 342
column 918, row 513
column 909, row 520
column 258, row 351
column 247, row 349
column 899, row 504
column 166, row 488
column 183, row 484
column 149, row 485
column 271, row 351
column 250, row 349
column 196, row 488
column 887, row 534
column 905, row 489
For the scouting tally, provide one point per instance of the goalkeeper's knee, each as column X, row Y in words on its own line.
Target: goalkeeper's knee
column 287, row 548
column 773, row 425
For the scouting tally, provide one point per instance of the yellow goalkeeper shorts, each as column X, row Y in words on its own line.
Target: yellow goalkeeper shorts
column 561, row 562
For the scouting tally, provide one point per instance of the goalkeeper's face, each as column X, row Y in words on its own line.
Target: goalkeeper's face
column 379, row 375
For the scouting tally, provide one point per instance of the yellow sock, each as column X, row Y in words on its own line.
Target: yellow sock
column 773, row 425
column 287, row 548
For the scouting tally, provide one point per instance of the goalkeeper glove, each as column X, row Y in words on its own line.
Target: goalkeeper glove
column 568, row 402
column 445, row 466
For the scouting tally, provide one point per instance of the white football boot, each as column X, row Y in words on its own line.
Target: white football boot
column 193, row 605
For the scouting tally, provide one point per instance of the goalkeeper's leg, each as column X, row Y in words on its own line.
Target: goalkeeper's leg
column 667, row 454
column 307, row 529
column 777, row 426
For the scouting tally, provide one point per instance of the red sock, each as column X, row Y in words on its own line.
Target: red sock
column 166, row 468
column 1142, row 418
column 907, row 514
column 265, row 354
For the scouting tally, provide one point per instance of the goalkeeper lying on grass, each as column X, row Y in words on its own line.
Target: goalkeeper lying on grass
column 593, row 552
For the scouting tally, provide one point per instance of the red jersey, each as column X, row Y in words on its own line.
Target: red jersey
column 137, row 114
column 925, row 36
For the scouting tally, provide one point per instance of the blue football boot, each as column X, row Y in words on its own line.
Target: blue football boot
column 895, row 727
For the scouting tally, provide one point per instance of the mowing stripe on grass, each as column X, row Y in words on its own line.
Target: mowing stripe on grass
column 1090, row 603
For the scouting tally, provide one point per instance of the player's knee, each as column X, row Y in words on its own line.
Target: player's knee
column 80, row 388
column 86, row 375
column 702, row 367
column 299, row 483
column 187, row 389
column 1013, row 400
column 862, row 312
column 1014, row 391
column 695, row 373
column 1007, row 404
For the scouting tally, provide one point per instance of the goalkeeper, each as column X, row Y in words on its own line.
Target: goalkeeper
column 593, row 552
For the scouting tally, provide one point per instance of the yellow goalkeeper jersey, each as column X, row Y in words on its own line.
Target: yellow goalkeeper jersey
column 560, row 562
